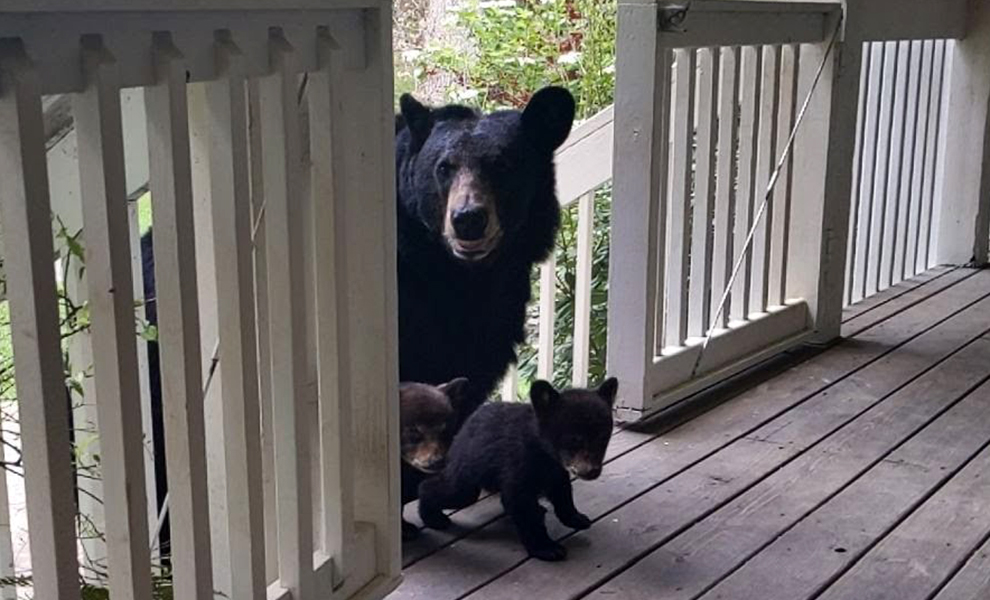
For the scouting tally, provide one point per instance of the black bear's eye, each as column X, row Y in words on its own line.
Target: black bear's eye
column 444, row 169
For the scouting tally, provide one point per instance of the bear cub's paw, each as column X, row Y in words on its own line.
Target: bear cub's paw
column 434, row 519
column 576, row 521
column 550, row 552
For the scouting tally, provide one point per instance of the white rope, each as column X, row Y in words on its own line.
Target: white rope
column 747, row 247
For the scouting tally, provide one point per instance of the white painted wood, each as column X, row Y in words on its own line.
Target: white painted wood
column 982, row 219
column 921, row 150
column 895, row 156
column 680, row 196
column 868, row 180
column 199, row 136
column 255, row 150
column 726, row 192
column 26, row 222
column 147, row 427
column 584, row 160
column 878, row 215
column 766, row 159
column 101, row 168
column 326, row 146
column 821, row 192
column 582, row 289
column 638, row 215
column 904, row 265
column 366, row 228
column 852, row 248
column 925, row 250
column 702, row 235
column 232, row 249
column 284, row 250
column 780, row 235
column 510, row 383
column 711, row 23
column 178, row 324
column 731, row 350
column 749, row 102
column 965, row 215
column 548, row 312
column 665, row 66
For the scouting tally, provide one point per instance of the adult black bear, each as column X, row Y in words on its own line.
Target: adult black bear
column 477, row 209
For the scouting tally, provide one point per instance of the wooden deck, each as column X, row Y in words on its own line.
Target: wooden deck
column 860, row 472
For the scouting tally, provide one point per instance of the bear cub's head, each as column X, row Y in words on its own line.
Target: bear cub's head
column 470, row 179
column 429, row 417
column 577, row 423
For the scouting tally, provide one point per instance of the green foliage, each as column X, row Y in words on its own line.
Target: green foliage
column 517, row 47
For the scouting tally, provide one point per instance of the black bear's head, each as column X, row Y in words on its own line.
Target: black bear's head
column 429, row 417
column 577, row 423
column 470, row 179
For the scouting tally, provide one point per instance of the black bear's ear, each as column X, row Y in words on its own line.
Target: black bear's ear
column 548, row 117
column 456, row 390
column 417, row 118
column 543, row 397
column 608, row 389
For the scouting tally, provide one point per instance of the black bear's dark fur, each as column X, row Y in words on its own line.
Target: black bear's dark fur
column 429, row 416
column 462, row 302
column 526, row 452
column 154, row 377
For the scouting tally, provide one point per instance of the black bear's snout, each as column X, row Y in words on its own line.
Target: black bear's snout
column 470, row 223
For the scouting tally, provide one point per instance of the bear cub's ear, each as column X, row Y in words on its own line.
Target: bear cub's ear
column 608, row 389
column 417, row 117
column 543, row 396
column 456, row 390
column 548, row 117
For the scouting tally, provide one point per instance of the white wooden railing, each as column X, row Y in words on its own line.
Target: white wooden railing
column 294, row 496
column 897, row 166
column 681, row 210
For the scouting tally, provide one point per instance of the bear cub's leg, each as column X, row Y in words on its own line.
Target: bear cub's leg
column 528, row 516
column 561, row 496
column 443, row 492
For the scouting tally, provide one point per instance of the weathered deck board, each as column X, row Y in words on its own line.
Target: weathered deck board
column 676, row 480
column 972, row 581
column 824, row 545
column 914, row 559
column 702, row 555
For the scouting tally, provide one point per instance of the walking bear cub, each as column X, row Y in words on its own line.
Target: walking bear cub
column 525, row 452
column 429, row 416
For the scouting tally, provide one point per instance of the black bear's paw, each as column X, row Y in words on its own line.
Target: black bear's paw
column 409, row 531
column 550, row 552
column 575, row 521
column 435, row 520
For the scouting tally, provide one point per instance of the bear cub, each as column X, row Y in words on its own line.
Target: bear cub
column 429, row 416
column 526, row 452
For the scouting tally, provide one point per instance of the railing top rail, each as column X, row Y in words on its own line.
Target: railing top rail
column 741, row 22
column 97, row 6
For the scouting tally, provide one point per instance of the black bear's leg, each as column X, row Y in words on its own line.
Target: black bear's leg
column 528, row 517
column 440, row 492
column 409, row 531
column 561, row 496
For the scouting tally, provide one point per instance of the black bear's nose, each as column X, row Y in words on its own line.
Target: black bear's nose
column 470, row 223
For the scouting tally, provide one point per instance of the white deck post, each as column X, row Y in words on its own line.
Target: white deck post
column 640, row 149
column 964, row 220
column 365, row 231
column 25, row 217
column 823, row 169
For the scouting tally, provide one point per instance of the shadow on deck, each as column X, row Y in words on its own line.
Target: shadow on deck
column 859, row 472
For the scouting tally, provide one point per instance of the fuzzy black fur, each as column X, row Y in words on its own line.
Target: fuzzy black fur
column 429, row 416
column 525, row 452
column 459, row 318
